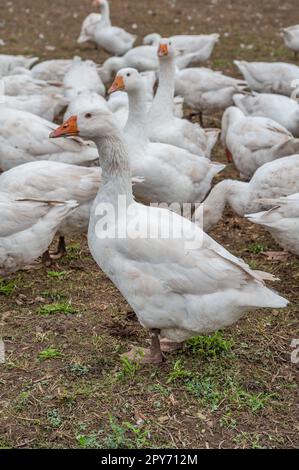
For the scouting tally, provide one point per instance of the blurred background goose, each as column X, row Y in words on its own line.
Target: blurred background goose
column 252, row 141
column 291, row 38
column 282, row 221
column 81, row 76
column 271, row 180
column 27, row 229
column 10, row 62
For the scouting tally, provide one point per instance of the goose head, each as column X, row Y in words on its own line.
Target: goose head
column 127, row 79
column 89, row 125
column 166, row 49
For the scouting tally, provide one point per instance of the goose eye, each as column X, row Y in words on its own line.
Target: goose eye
column 88, row 115
column 128, row 74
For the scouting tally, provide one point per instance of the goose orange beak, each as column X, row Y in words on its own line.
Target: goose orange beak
column 163, row 50
column 117, row 85
column 67, row 129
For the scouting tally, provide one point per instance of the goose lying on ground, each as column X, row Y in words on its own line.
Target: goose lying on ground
column 282, row 221
column 15, row 85
column 27, row 137
column 280, row 108
column 54, row 69
column 45, row 106
column 171, row 174
column 10, row 62
column 267, row 77
column 177, row 289
column 27, row 229
column 252, row 141
column 291, row 38
column 163, row 125
column 272, row 180
column 201, row 45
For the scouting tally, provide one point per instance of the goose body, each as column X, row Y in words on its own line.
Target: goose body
column 291, row 37
column 171, row 174
column 253, row 141
column 27, row 134
column 82, row 76
column 200, row 46
column 163, row 125
column 23, row 84
column 282, row 221
column 205, row 90
column 272, row 180
column 27, row 229
column 88, row 27
column 54, row 69
column 46, row 106
column 280, row 108
column 176, row 290
column 54, row 181
column 266, row 77
column 8, row 63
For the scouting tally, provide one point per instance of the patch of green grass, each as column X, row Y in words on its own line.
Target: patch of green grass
column 210, row 346
column 129, row 369
column 49, row 353
column 78, row 369
column 178, row 372
column 57, row 274
column 126, row 436
column 54, row 295
column 54, row 418
column 88, row 441
column 246, row 439
column 7, row 287
column 207, row 390
column 256, row 248
column 21, row 401
column 51, row 309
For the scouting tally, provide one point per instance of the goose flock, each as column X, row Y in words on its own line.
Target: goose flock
column 123, row 136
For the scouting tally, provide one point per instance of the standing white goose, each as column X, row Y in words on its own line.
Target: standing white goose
column 200, row 45
column 177, row 291
column 291, row 38
column 252, row 141
column 171, row 174
column 163, row 125
column 206, row 91
column 90, row 23
column 27, row 229
column 269, row 77
column 280, row 108
column 282, row 221
column 272, row 180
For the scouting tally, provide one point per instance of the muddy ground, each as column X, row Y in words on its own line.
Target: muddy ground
column 63, row 383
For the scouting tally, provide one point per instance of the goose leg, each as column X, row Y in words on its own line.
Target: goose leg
column 169, row 346
column 61, row 248
column 46, row 259
column 153, row 355
column 276, row 255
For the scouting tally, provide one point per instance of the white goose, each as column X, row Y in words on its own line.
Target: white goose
column 282, row 221
column 46, row 106
column 267, row 77
column 113, row 39
column 82, row 76
column 280, row 108
column 27, row 137
column 90, row 23
column 200, row 46
column 207, row 91
column 27, row 229
column 252, row 141
column 10, row 62
column 272, row 180
column 54, row 69
column 171, row 174
column 22, row 84
column 176, row 290
column 291, row 38
column 83, row 101
column 163, row 125
column 53, row 181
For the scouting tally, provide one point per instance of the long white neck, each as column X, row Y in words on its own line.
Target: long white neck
column 116, row 171
column 234, row 193
column 162, row 107
column 136, row 126
column 105, row 11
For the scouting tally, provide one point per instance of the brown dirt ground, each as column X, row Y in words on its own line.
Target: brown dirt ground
column 239, row 390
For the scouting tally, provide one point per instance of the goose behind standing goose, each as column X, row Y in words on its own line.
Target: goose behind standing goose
column 163, row 125
column 176, row 290
column 291, row 38
column 252, row 141
column 171, row 174
column 271, row 180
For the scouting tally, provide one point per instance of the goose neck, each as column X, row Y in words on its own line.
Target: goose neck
column 136, row 126
column 162, row 107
